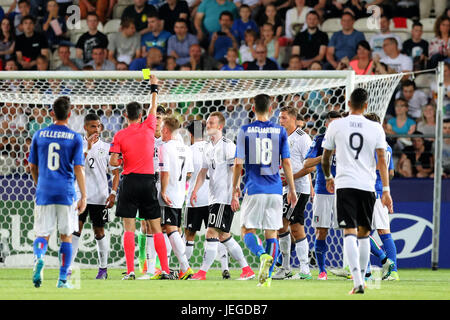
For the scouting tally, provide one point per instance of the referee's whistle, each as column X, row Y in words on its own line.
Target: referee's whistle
column 146, row 74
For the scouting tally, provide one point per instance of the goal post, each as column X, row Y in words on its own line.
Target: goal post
column 25, row 97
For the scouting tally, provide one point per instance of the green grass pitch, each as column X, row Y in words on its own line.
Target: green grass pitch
column 415, row 284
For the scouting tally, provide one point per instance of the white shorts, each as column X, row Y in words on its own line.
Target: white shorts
column 324, row 211
column 380, row 219
column 262, row 211
column 47, row 217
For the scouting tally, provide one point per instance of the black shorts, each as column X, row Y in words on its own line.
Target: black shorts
column 194, row 217
column 170, row 216
column 220, row 217
column 354, row 208
column 98, row 214
column 138, row 192
column 297, row 214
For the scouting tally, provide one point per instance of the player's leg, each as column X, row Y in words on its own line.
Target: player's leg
column 99, row 216
column 236, row 252
column 129, row 226
column 284, row 238
column 142, row 243
column 391, row 253
column 210, row 252
column 222, row 257
column 320, row 249
column 159, row 244
column 44, row 224
column 76, row 237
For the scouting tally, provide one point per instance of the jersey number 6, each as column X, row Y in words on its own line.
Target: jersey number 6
column 53, row 156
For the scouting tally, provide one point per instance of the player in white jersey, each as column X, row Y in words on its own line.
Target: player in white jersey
column 194, row 216
column 99, row 200
column 218, row 160
column 148, row 258
column 293, row 217
column 175, row 163
column 356, row 139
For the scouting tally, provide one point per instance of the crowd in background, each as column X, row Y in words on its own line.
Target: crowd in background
column 239, row 35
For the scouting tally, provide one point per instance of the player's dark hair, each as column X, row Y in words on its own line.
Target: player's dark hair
column 345, row 114
column 61, row 108
column 291, row 111
column 134, row 110
column 358, row 98
column 262, row 103
column 172, row 123
column 333, row 115
column 161, row 110
column 373, row 117
column 91, row 117
column 196, row 128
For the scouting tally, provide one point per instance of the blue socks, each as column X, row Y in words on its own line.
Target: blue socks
column 389, row 247
column 272, row 248
column 40, row 246
column 65, row 257
column 253, row 243
column 376, row 249
column 320, row 248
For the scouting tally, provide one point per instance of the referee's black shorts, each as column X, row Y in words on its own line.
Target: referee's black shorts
column 354, row 208
column 138, row 192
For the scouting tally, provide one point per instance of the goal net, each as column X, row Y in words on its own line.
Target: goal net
column 25, row 99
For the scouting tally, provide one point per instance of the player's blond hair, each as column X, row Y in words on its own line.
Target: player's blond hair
column 219, row 115
column 171, row 123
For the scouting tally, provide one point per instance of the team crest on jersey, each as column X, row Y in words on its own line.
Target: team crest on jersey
column 101, row 152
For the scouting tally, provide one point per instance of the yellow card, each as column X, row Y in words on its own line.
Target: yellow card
column 146, row 73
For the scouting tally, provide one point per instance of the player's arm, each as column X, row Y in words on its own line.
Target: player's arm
column 237, row 170
column 164, row 175
column 386, row 197
column 79, row 174
column 312, row 162
column 326, row 168
column 303, row 172
column 164, row 169
column 114, row 160
column 34, row 169
column 287, row 168
column 115, row 185
column 154, row 94
column 201, row 177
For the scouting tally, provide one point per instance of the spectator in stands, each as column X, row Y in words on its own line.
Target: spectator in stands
column 426, row 6
column 201, row 61
column 416, row 160
column 243, row 23
column 63, row 5
column 178, row 45
column 231, row 65
column 39, row 119
column 416, row 48
column 139, row 11
column 222, row 40
column 7, row 40
column 357, row 7
column 262, row 62
column 90, row 39
column 295, row 62
column 363, row 63
column 171, row 64
column 99, row 61
column 446, row 149
column 331, row 9
column 270, row 41
column 55, row 26
column 311, row 44
column 416, row 98
column 433, row 87
column 154, row 61
column 100, row 7
column 296, row 18
column 440, row 45
column 172, row 11
column 122, row 66
column 272, row 16
column 155, row 37
column 377, row 40
column 24, row 10
column 30, row 44
column 207, row 18
column 11, row 65
column 401, row 124
column 427, row 123
column 124, row 46
column 343, row 44
column 247, row 50
column 67, row 64
column 42, row 63
column 394, row 59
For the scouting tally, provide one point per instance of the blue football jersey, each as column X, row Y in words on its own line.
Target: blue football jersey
column 390, row 164
column 261, row 145
column 56, row 150
column 315, row 151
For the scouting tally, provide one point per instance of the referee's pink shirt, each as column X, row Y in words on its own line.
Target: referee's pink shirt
column 136, row 143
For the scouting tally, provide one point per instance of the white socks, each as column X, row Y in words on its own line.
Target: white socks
column 352, row 251
column 236, row 251
column 210, row 253
column 179, row 248
column 102, row 250
column 302, row 250
column 222, row 256
column 285, row 249
column 364, row 254
column 151, row 254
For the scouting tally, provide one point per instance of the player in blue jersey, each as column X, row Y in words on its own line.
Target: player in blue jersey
column 260, row 145
column 56, row 160
column 324, row 215
column 381, row 223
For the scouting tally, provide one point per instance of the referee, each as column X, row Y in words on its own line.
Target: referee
column 356, row 140
column 138, row 188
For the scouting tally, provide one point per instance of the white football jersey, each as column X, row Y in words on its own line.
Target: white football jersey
column 197, row 158
column 158, row 143
column 219, row 160
column 176, row 158
column 96, row 169
column 355, row 139
column 299, row 143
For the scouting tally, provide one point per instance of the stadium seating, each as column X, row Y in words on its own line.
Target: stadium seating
column 111, row 26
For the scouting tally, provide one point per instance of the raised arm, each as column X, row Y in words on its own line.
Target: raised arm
column 154, row 93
